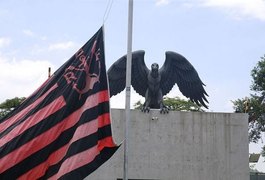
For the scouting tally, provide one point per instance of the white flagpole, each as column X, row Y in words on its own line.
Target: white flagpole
column 128, row 90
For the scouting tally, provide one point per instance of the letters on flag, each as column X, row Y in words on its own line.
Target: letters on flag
column 63, row 130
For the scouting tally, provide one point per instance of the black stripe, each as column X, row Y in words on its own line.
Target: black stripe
column 82, row 172
column 46, row 101
column 36, row 158
column 31, row 133
column 43, row 154
column 71, row 97
column 48, row 123
column 32, row 98
column 79, row 146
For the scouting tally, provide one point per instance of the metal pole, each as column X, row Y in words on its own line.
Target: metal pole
column 49, row 72
column 128, row 90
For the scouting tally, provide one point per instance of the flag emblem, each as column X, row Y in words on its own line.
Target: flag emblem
column 63, row 130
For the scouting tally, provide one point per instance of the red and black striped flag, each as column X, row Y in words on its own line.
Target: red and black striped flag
column 63, row 130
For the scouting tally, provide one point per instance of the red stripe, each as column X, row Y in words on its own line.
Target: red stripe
column 106, row 142
column 104, row 120
column 34, row 119
column 51, row 135
column 83, row 158
column 76, row 161
column 81, row 132
column 4, row 125
column 40, row 170
column 85, row 130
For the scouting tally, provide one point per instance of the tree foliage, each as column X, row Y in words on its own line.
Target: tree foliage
column 254, row 105
column 10, row 104
column 258, row 73
column 176, row 104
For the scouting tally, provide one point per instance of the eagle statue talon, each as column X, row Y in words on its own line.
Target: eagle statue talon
column 155, row 83
column 164, row 109
column 145, row 109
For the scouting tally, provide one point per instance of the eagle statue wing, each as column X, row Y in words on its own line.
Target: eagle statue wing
column 177, row 69
column 117, row 74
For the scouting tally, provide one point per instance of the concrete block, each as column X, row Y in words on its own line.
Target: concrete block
column 179, row 146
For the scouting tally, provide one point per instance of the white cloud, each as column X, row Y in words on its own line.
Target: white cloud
column 44, row 38
column 21, row 78
column 118, row 101
column 162, row 2
column 62, row 46
column 28, row 32
column 239, row 8
column 32, row 34
column 4, row 41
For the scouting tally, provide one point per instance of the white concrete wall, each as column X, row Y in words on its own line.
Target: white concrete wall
column 180, row 146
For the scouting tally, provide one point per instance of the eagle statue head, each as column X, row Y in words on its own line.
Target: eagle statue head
column 154, row 70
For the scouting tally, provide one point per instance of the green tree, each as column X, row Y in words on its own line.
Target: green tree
column 10, row 104
column 176, row 104
column 258, row 84
column 254, row 105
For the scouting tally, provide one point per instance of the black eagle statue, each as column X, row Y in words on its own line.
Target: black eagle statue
column 155, row 83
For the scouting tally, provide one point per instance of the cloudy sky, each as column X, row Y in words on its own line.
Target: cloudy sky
column 223, row 39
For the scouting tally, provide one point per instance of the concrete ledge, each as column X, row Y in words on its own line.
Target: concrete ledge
column 180, row 146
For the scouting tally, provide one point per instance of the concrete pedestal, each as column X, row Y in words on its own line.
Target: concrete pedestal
column 180, row 146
